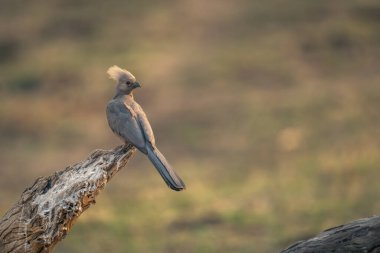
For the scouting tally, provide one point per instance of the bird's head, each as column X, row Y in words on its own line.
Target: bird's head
column 126, row 82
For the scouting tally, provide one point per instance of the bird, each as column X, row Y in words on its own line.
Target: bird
column 128, row 121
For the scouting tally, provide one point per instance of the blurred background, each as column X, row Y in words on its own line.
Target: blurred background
column 269, row 110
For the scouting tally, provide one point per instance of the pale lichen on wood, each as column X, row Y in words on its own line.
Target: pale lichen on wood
column 47, row 210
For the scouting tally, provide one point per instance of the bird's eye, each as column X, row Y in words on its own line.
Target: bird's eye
column 128, row 82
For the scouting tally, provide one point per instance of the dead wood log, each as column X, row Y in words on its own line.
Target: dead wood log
column 47, row 210
column 360, row 236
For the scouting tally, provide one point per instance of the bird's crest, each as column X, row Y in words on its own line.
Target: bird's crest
column 118, row 74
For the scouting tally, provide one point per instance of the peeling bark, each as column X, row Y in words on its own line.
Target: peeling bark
column 360, row 236
column 47, row 210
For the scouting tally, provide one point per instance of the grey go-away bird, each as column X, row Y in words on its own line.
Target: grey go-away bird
column 127, row 119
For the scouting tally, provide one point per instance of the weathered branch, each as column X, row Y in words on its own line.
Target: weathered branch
column 47, row 210
column 360, row 236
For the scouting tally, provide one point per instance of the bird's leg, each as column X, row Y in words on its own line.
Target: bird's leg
column 127, row 145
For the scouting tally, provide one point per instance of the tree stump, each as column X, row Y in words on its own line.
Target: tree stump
column 47, row 210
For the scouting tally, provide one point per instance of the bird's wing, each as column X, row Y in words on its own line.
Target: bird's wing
column 123, row 121
column 145, row 125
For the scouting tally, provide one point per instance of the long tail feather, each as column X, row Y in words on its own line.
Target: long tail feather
column 165, row 170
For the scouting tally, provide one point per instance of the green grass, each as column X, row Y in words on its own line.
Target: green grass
column 268, row 109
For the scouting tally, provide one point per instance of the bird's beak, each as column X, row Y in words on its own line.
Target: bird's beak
column 136, row 85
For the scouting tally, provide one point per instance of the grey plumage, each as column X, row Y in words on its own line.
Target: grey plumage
column 127, row 119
